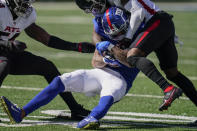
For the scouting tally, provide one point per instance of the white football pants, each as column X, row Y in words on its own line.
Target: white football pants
column 105, row 82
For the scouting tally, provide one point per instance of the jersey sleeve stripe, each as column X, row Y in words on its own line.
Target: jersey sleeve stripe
column 151, row 11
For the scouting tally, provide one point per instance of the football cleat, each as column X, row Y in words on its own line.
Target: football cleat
column 193, row 124
column 79, row 113
column 169, row 97
column 89, row 123
column 13, row 112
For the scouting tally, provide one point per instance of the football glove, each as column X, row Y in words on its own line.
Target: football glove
column 18, row 46
column 124, row 43
column 12, row 46
column 85, row 47
column 103, row 47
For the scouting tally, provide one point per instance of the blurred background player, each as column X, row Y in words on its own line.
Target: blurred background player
column 158, row 35
column 19, row 15
column 111, row 79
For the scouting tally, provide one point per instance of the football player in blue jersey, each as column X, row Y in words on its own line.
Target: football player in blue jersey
column 158, row 35
column 111, row 79
column 19, row 15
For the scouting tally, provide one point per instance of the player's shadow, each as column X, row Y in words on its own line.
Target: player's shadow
column 141, row 125
column 111, row 125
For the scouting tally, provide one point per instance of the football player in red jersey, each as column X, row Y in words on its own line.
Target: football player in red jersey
column 158, row 35
column 19, row 15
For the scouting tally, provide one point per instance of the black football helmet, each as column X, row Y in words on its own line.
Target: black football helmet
column 96, row 7
column 20, row 7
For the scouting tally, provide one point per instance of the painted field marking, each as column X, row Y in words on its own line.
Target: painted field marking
column 108, row 121
column 164, row 117
column 131, row 95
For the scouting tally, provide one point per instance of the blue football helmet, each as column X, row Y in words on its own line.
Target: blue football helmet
column 115, row 23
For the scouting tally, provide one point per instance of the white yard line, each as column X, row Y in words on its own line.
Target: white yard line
column 148, row 115
column 131, row 95
column 120, row 120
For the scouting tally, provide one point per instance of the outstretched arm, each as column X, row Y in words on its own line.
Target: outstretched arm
column 39, row 34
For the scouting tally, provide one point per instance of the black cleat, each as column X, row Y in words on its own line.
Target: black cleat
column 169, row 97
column 79, row 113
column 193, row 124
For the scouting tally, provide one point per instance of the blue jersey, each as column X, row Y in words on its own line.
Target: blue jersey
column 129, row 74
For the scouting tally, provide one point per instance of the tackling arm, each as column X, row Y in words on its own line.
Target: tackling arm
column 39, row 34
column 97, row 60
column 120, row 54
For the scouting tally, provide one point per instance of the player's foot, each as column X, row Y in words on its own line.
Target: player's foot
column 79, row 113
column 13, row 112
column 88, row 123
column 169, row 97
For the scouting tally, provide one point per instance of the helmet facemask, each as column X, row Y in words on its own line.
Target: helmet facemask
column 118, row 33
column 21, row 8
column 97, row 7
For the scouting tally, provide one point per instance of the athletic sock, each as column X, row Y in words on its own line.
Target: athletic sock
column 149, row 69
column 45, row 96
column 186, row 85
column 101, row 109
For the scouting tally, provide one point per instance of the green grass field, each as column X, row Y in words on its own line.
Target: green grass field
column 68, row 22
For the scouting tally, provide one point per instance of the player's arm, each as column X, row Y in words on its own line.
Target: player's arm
column 137, row 17
column 97, row 60
column 120, row 54
column 39, row 34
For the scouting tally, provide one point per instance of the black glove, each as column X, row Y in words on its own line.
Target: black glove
column 86, row 47
column 125, row 43
column 12, row 46
column 18, row 46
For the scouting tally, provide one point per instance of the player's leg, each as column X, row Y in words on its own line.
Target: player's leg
column 113, row 89
column 4, row 68
column 73, row 81
column 153, row 37
column 44, row 97
column 168, row 58
column 26, row 63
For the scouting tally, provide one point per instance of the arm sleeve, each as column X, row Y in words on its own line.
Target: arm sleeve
column 58, row 43
column 137, row 17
